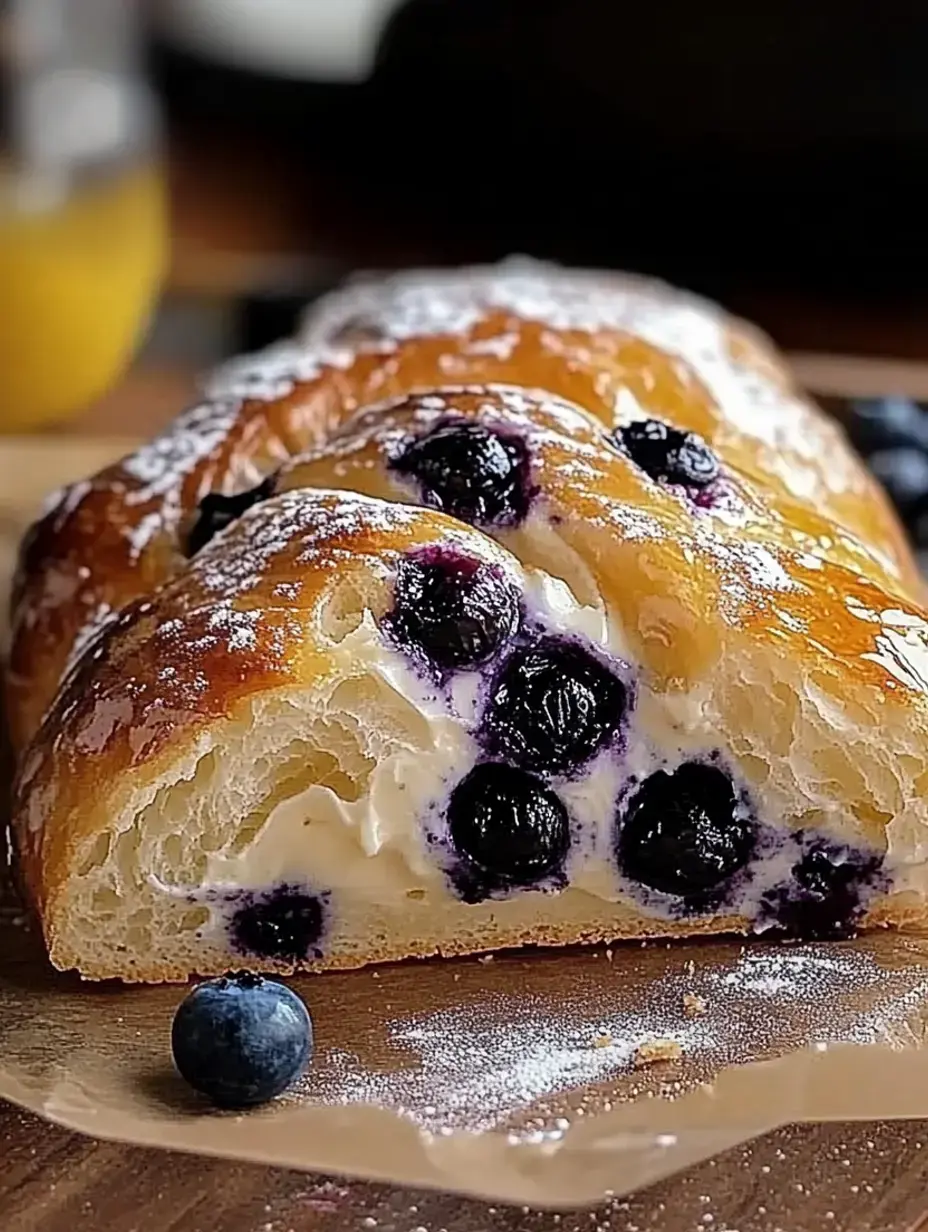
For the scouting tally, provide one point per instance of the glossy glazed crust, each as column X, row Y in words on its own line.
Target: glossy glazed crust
column 800, row 560
column 247, row 616
column 615, row 346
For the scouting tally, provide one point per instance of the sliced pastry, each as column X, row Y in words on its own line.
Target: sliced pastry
column 504, row 606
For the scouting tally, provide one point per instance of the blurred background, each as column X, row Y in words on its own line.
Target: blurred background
column 180, row 176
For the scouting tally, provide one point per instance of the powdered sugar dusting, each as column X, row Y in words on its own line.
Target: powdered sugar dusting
column 422, row 303
column 313, row 529
column 101, row 616
column 143, row 532
column 64, row 501
column 235, row 628
column 160, row 465
column 106, row 715
column 288, row 590
column 530, row 1044
column 265, row 375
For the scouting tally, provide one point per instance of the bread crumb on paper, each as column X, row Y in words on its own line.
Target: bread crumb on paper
column 693, row 1004
column 603, row 1041
column 652, row 1052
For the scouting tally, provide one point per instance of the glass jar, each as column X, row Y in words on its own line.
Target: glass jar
column 82, row 205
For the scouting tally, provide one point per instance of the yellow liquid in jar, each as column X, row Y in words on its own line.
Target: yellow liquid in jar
column 77, row 285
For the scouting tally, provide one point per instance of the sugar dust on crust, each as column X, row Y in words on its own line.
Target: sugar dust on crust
column 256, row 419
column 610, row 346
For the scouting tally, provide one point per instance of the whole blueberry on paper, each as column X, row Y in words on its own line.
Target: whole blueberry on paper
column 241, row 1040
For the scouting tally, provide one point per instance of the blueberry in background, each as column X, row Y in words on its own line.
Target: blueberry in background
column 903, row 472
column 241, row 1040
column 892, row 435
column 885, row 423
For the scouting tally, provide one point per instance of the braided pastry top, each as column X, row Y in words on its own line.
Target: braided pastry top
column 597, row 351
column 594, row 458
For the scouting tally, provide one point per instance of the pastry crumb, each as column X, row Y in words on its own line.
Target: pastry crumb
column 603, row 1041
column 608, row 955
column 651, row 1052
column 485, row 958
column 693, row 1004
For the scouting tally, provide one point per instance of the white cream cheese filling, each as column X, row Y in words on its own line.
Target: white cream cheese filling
column 385, row 847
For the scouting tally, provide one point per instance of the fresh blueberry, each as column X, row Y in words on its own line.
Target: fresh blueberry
column 668, row 454
column 216, row 512
column 903, row 472
column 470, row 472
column 285, row 925
column 241, row 1040
column 508, row 827
column 823, row 901
column 683, row 833
column 885, row 423
column 456, row 610
column 552, row 707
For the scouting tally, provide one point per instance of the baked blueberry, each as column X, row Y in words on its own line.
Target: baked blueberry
column 508, row 827
column 216, row 512
column 668, row 454
column 684, row 833
column 552, row 707
column 453, row 609
column 903, row 472
column 286, row 925
column 241, row 1040
column 885, row 423
column 823, row 901
column 469, row 472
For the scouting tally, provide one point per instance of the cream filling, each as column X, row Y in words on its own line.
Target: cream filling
column 384, row 852
column 376, row 851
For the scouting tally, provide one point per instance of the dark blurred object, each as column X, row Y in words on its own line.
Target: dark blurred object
column 720, row 147
column 892, row 435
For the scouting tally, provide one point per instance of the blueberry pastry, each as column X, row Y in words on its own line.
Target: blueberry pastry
column 503, row 606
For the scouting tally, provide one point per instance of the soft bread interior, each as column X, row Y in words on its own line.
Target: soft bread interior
column 329, row 787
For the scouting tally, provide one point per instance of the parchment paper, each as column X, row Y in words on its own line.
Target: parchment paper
column 514, row 1079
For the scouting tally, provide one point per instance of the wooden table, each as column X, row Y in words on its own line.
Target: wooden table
column 801, row 1179
column 809, row 1179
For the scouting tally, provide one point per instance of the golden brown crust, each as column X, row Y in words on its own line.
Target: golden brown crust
column 112, row 539
column 126, row 651
column 243, row 618
column 766, row 573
